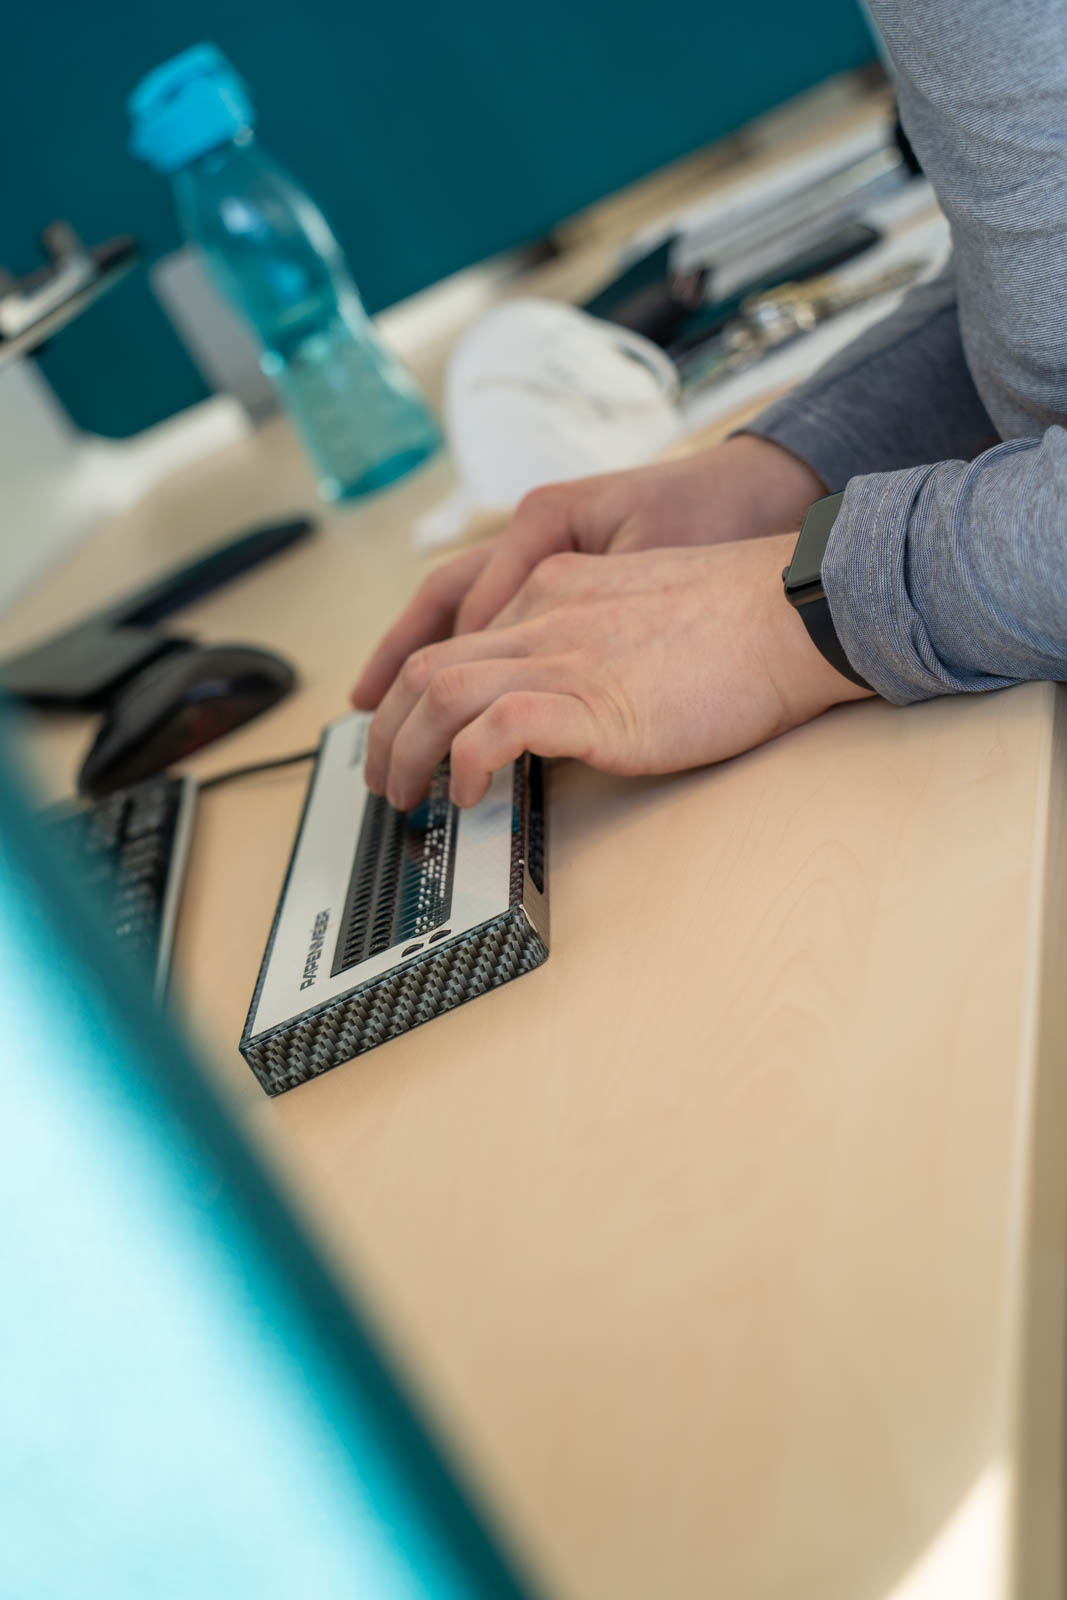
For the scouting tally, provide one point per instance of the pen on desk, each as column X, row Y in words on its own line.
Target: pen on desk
column 833, row 251
column 773, row 318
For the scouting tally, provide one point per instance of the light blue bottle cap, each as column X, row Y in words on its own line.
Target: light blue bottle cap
column 189, row 105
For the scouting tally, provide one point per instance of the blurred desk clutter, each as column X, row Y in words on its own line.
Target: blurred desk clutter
column 696, row 267
column 37, row 305
column 748, row 290
column 662, row 1232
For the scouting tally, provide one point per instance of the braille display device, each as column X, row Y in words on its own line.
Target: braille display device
column 389, row 918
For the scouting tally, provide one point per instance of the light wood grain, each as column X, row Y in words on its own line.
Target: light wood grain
column 729, row 1245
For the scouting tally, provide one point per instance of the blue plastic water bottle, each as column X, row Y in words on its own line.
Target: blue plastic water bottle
column 273, row 256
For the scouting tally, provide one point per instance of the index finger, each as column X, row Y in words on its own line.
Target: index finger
column 540, row 527
column 428, row 618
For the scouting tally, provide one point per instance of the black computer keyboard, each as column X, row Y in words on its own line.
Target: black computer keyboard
column 132, row 848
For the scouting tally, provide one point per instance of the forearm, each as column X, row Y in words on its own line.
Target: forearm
column 952, row 578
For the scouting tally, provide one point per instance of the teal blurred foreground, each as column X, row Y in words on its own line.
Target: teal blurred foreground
column 189, row 1407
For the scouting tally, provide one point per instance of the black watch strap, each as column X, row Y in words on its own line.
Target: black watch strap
column 820, row 625
column 804, row 590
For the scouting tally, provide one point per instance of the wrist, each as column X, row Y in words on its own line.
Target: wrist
column 774, row 488
column 806, row 681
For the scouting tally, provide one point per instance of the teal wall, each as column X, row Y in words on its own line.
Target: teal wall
column 431, row 135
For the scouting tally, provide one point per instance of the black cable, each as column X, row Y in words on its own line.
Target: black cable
column 74, row 802
column 259, row 766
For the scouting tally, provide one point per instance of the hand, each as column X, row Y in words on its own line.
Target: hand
column 649, row 663
column 742, row 489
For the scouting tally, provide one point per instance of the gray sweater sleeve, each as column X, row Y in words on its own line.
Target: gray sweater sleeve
column 899, row 395
column 952, row 577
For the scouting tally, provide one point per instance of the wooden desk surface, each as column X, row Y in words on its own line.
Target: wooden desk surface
column 729, row 1246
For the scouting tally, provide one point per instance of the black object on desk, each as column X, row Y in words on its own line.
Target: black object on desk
column 681, row 310
column 85, row 665
column 838, row 248
column 131, row 850
column 177, row 705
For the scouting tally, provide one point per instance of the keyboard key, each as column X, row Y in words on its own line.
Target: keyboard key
column 131, row 847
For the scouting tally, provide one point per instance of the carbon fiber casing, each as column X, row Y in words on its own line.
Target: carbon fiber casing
column 497, row 929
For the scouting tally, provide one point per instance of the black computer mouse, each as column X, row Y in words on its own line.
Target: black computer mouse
column 176, row 706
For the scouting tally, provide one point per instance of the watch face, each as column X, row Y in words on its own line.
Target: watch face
column 806, row 566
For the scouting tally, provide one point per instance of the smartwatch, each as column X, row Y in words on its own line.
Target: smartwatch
column 803, row 585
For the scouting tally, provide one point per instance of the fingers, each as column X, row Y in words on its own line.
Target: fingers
column 414, row 679
column 545, row 724
column 429, row 617
column 468, row 593
column 540, row 527
column 456, row 697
